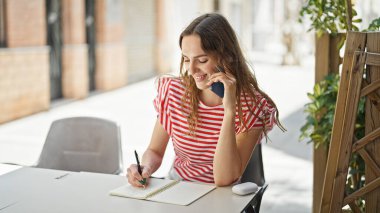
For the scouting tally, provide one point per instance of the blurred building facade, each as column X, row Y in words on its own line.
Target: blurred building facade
column 53, row 49
column 66, row 49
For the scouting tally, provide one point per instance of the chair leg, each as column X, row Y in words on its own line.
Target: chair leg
column 254, row 205
column 250, row 209
column 259, row 198
column 258, row 204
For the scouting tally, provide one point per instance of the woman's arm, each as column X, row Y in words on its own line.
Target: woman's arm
column 152, row 157
column 233, row 151
column 154, row 154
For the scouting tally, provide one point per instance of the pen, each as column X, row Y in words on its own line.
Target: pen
column 143, row 181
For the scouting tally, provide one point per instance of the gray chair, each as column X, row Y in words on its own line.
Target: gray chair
column 255, row 173
column 83, row 144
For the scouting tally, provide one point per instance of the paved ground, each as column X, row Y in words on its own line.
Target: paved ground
column 288, row 165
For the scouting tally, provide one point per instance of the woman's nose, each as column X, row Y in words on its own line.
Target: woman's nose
column 191, row 67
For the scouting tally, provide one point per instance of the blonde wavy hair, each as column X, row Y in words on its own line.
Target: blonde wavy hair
column 219, row 40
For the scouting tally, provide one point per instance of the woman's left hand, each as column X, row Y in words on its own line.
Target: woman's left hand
column 229, row 82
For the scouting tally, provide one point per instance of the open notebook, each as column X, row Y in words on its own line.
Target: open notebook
column 165, row 191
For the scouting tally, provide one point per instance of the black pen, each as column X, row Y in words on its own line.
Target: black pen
column 143, row 181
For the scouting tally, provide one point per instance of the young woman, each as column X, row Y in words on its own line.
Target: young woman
column 213, row 135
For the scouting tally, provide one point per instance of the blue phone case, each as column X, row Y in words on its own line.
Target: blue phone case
column 218, row 88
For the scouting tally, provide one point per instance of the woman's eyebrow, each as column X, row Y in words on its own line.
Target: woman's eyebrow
column 198, row 56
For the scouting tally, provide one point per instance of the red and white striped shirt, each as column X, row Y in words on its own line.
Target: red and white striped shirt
column 194, row 153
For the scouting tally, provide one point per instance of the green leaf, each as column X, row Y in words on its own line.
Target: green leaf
column 311, row 96
column 374, row 25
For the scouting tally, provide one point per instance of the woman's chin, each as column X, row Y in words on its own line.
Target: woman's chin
column 202, row 86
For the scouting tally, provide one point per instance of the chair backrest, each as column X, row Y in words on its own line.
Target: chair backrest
column 83, row 144
column 255, row 170
column 255, row 173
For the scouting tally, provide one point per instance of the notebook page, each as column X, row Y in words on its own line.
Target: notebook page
column 128, row 190
column 182, row 193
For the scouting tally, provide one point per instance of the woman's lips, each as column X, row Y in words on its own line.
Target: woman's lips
column 199, row 78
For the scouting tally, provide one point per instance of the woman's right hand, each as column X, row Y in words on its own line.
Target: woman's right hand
column 134, row 177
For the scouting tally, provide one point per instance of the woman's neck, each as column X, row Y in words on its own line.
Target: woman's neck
column 209, row 98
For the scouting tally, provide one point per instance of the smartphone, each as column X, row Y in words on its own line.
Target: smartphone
column 218, row 87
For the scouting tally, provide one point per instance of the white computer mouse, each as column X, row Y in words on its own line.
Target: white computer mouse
column 245, row 188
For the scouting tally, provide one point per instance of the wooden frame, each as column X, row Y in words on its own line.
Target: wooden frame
column 358, row 56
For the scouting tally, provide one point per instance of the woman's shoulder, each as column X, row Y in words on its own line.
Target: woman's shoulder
column 254, row 100
column 168, row 79
column 170, row 83
column 257, row 110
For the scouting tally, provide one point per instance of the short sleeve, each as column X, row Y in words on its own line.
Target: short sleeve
column 161, row 103
column 258, row 115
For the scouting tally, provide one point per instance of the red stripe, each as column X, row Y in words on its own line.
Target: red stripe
column 195, row 140
column 203, row 169
column 208, row 112
column 198, row 136
column 196, row 144
column 181, row 157
column 180, row 173
column 178, row 86
column 203, row 180
column 179, row 114
column 191, row 159
column 183, row 172
column 210, row 118
column 182, row 123
column 207, row 153
column 202, row 121
column 197, row 155
column 195, row 172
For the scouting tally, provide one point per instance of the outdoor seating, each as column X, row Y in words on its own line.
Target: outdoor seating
column 83, row 144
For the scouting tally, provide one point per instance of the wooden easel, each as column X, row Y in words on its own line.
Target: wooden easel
column 362, row 53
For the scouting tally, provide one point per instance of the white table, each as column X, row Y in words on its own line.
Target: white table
column 45, row 190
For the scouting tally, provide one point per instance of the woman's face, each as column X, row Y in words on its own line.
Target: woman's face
column 199, row 64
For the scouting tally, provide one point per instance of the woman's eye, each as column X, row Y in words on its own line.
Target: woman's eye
column 203, row 61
